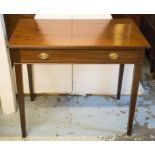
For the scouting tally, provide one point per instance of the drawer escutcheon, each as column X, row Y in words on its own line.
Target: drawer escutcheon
column 113, row 56
column 43, row 56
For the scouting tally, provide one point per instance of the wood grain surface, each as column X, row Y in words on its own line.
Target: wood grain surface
column 77, row 34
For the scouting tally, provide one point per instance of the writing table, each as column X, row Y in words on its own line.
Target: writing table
column 114, row 41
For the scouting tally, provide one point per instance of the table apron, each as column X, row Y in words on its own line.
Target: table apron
column 78, row 56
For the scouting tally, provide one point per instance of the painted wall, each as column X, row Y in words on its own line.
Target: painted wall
column 7, row 91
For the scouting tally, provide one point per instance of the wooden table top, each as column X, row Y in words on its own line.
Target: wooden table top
column 77, row 34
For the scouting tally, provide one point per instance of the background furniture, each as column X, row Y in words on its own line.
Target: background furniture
column 148, row 29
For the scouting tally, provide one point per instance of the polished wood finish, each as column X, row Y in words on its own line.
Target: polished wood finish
column 120, row 79
column 136, row 17
column 77, row 34
column 134, row 91
column 19, row 79
column 11, row 21
column 78, row 56
column 30, row 78
column 78, row 41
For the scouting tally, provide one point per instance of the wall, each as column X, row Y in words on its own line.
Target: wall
column 7, row 91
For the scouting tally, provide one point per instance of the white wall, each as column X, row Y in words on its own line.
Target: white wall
column 7, row 91
column 50, row 78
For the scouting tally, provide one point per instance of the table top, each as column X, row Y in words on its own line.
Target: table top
column 77, row 34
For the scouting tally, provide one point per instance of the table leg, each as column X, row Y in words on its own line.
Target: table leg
column 19, row 81
column 30, row 78
column 121, row 71
column 134, row 91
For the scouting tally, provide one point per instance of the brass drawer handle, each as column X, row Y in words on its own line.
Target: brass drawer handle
column 43, row 56
column 113, row 56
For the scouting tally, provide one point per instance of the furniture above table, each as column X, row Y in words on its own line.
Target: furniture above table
column 148, row 29
column 115, row 41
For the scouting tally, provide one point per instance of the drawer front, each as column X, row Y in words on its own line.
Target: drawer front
column 79, row 56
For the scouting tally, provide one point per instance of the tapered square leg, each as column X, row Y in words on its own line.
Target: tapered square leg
column 30, row 79
column 133, row 99
column 19, row 82
column 120, row 80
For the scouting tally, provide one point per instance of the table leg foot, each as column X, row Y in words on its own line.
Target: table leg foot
column 134, row 92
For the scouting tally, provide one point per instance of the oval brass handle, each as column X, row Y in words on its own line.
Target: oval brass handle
column 43, row 56
column 113, row 56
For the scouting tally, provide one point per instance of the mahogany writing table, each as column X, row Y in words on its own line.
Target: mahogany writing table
column 115, row 41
